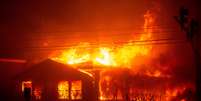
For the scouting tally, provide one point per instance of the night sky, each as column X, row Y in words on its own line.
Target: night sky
column 27, row 26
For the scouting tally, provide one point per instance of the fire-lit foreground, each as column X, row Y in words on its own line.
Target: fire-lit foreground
column 123, row 84
column 118, row 85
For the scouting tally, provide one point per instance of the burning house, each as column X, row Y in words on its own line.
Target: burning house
column 101, row 50
column 52, row 81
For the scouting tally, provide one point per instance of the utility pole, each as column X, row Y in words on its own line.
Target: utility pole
column 191, row 29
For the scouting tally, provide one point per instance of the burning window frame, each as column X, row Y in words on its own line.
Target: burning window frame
column 35, row 91
column 67, row 90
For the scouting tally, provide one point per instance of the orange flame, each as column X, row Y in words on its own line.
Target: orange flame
column 174, row 93
column 123, row 55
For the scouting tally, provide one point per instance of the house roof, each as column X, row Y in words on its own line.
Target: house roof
column 52, row 70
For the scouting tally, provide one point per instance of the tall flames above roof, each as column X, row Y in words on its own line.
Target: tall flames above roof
column 122, row 55
column 155, row 72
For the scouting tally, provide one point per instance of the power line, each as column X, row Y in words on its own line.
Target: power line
column 114, row 44
column 67, row 36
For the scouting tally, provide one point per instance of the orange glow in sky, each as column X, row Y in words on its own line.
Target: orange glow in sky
column 123, row 55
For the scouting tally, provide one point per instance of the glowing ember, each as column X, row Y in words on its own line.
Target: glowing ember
column 37, row 93
column 183, row 93
column 156, row 73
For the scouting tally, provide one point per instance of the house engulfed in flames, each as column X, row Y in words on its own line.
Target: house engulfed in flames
column 53, row 81
column 105, row 73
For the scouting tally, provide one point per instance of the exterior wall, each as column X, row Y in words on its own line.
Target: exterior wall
column 88, row 91
column 49, row 91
